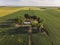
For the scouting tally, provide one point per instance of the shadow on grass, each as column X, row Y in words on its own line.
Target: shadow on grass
column 5, row 25
column 20, row 30
column 8, row 23
column 12, row 20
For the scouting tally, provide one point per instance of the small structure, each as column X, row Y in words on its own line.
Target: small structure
column 27, row 23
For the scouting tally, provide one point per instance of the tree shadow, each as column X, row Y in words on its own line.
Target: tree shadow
column 7, row 23
column 20, row 30
column 12, row 20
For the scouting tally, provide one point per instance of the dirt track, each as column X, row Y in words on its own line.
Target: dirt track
column 30, row 36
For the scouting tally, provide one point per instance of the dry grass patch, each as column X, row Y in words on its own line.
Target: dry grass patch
column 6, row 11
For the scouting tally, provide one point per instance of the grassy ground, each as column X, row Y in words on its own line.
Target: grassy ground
column 52, row 24
column 51, row 19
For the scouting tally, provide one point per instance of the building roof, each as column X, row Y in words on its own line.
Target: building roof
column 27, row 22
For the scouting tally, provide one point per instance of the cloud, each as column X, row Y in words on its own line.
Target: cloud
column 30, row 2
column 38, row 2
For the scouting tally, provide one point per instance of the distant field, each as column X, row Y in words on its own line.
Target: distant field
column 8, row 10
column 12, row 35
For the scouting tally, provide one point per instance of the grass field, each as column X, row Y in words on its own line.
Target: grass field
column 11, row 35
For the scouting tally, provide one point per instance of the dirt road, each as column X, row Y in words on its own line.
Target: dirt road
column 30, row 36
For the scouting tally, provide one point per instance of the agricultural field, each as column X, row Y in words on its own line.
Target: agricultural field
column 11, row 35
column 8, row 10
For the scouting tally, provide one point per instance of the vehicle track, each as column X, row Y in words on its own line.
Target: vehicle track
column 30, row 36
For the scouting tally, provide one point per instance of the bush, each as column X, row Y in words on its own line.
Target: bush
column 34, row 23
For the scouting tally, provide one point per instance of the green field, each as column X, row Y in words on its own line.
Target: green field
column 11, row 35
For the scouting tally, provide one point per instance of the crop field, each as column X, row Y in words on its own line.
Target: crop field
column 8, row 10
column 10, row 35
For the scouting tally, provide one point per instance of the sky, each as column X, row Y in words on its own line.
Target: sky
column 29, row 2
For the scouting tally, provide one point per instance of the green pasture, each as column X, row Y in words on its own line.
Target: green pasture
column 11, row 35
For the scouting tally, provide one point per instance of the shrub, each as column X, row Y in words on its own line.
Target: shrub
column 34, row 23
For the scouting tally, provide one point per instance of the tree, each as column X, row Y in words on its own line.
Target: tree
column 21, row 19
column 27, row 16
column 38, row 19
column 34, row 17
